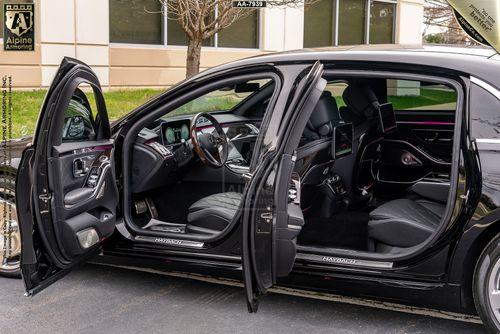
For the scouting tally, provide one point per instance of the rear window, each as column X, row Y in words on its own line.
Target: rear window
column 420, row 95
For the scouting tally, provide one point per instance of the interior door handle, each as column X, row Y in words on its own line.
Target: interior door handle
column 80, row 167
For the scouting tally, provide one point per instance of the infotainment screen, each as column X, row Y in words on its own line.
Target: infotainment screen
column 343, row 140
column 387, row 118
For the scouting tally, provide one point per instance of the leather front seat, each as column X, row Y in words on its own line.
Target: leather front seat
column 362, row 111
column 214, row 212
column 315, row 148
column 404, row 222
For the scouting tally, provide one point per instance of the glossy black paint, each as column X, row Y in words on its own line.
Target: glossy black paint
column 441, row 278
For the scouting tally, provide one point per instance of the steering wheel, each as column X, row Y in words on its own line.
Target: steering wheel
column 212, row 148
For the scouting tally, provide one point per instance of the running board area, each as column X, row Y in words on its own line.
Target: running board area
column 344, row 261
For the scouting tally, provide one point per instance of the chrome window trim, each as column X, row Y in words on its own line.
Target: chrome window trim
column 486, row 86
column 487, row 141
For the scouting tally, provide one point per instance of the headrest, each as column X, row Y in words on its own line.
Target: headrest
column 361, row 100
column 324, row 114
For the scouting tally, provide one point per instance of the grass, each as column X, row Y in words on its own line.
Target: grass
column 428, row 97
column 26, row 106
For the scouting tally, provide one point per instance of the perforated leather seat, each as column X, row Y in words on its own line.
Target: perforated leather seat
column 405, row 222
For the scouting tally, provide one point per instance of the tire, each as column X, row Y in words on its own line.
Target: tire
column 7, row 194
column 486, row 276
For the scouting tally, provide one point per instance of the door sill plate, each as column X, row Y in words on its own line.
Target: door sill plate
column 170, row 241
column 344, row 261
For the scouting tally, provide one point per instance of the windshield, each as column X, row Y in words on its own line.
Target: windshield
column 222, row 99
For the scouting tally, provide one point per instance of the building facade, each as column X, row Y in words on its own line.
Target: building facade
column 130, row 43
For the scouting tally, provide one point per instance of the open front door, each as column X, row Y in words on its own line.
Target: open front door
column 66, row 191
column 272, row 217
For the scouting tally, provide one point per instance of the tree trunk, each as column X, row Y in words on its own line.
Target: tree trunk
column 193, row 58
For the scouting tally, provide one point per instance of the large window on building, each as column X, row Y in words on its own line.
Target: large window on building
column 319, row 24
column 349, row 22
column 244, row 33
column 382, row 15
column 135, row 21
column 352, row 17
column 141, row 22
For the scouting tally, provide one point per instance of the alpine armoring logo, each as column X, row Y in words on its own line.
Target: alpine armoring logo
column 19, row 27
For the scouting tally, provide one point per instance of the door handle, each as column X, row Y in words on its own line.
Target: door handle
column 80, row 167
column 267, row 216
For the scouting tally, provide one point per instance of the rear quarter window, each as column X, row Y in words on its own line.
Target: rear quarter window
column 484, row 113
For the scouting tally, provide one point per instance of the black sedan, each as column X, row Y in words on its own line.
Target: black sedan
column 365, row 173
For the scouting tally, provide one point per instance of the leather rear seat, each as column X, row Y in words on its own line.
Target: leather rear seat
column 405, row 222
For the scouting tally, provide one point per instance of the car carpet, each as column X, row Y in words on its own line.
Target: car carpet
column 344, row 230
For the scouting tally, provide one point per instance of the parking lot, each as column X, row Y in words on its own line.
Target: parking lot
column 96, row 299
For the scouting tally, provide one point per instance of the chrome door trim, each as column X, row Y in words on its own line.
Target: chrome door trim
column 486, row 86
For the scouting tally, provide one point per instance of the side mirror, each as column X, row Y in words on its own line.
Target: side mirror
column 78, row 122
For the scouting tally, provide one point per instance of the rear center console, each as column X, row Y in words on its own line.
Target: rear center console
column 334, row 197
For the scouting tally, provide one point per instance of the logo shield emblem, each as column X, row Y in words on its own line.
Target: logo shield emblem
column 19, row 19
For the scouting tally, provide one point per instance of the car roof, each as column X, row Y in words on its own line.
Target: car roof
column 482, row 63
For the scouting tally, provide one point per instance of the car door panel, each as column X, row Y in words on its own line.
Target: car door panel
column 68, row 180
column 419, row 149
column 95, row 207
column 431, row 130
column 271, row 220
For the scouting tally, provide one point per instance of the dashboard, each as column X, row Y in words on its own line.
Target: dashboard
column 163, row 151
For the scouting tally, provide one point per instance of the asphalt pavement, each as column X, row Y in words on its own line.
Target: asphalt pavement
column 97, row 299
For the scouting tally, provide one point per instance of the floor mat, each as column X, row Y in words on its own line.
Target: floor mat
column 344, row 230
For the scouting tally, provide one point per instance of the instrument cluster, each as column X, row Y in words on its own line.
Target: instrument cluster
column 175, row 132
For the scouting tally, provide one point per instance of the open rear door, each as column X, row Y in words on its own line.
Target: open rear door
column 66, row 190
column 272, row 218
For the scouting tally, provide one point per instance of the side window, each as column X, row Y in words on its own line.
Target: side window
column 420, row 95
column 79, row 121
column 484, row 114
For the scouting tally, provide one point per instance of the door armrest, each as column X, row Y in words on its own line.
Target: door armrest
column 437, row 191
column 78, row 195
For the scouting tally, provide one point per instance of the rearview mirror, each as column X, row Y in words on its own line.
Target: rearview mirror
column 246, row 87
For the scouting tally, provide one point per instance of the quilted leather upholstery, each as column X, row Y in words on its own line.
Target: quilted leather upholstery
column 214, row 212
column 405, row 223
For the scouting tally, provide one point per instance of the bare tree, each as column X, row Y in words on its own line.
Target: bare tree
column 202, row 19
column 438, row 13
